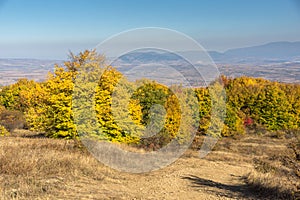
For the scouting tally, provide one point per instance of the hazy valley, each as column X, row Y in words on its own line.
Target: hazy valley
column 274, row 61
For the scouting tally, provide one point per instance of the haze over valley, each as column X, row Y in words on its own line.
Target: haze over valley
column 277, row 61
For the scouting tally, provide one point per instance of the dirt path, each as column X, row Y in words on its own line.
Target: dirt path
column 43, row 168
column 187, row 178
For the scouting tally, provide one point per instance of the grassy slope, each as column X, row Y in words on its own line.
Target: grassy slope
column 249, row 167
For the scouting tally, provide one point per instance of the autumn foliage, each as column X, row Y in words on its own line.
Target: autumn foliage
column 48, row 106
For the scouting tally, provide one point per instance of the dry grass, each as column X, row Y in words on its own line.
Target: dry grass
column 277, row 175
column 276, row 162
column 34, row 168
column 272, row 186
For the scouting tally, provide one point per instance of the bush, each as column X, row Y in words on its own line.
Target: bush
column 3, row 131
column 11, row 119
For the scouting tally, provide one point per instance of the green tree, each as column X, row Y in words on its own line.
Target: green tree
column 273, row 108
column 204, row 101
column 119, row 116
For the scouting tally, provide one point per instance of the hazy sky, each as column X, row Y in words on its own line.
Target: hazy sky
column 49, row 28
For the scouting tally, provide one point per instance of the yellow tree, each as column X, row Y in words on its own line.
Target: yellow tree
column 54, row 114
column 119, row 116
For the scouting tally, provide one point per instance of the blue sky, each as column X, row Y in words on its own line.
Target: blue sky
column 50, row 28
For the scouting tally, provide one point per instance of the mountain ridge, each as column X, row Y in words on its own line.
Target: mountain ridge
column 275, row 61
column 281, row 51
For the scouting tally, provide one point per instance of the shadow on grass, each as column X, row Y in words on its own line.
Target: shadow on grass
column 230, row 191
column 34, row 136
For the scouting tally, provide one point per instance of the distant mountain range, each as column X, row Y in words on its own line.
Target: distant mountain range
column 271, row 52
column 262, row 54
column 275, row 61
column 278, row 61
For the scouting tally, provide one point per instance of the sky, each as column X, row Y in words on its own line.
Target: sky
column 49, row 29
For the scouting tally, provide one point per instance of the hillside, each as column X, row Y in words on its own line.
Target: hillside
column 244, row 168
column 257, row 155
column 275, row 51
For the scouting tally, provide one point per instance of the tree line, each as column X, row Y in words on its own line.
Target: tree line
column 48, row 107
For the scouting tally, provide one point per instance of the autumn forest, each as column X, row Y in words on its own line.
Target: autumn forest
column 252, row 104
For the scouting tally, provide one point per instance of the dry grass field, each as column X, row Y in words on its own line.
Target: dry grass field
column 247, row 167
